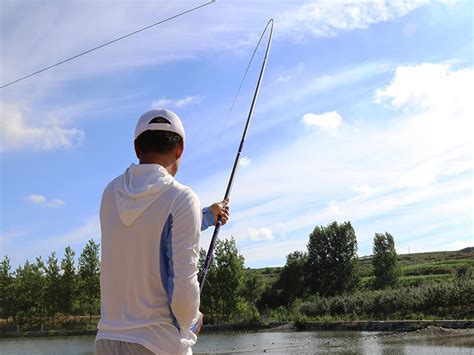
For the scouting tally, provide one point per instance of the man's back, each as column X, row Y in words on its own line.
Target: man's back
column 150, row 243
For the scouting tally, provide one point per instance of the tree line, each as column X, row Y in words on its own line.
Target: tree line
column 323, row 280
column 47, row 288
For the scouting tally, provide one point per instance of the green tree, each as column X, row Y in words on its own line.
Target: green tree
column 209, row 297
column 252, row 287
column 89, row 278
column 332, row 259
column 229, row 276
column 52, row 285
column 29, row 290
column 291, row 281
column 7, row 287
column 67, row 282
column 384, row 261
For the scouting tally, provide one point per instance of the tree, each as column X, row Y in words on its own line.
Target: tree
column 67, row 282
column 89, row 278
column 229, row 275
column 29, row 290
column 6, row 285
column 250, row 292
column 252, row 287
column 384, row 261
column 291, row 281
column 332, row 259
column 52, row 287
column 209, row 297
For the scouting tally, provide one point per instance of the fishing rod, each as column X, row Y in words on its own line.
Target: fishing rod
column 210, row 252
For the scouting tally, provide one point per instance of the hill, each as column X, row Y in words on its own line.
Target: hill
column 416, row 268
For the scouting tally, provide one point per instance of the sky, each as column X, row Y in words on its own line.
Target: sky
column 365, row 114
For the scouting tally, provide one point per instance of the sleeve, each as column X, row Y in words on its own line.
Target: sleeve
column 185, row 257
column 207, row 218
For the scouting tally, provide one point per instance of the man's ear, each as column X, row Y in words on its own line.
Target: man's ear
column 138, row 151
column 179, row 149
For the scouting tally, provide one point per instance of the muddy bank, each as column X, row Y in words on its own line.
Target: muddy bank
column 404, row 328
column 376, row 326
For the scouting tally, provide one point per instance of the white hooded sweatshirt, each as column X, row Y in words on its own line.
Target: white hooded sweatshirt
column 150, row 228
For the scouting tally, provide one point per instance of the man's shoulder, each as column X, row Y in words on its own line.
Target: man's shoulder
column 111, row 184
column 184, row 192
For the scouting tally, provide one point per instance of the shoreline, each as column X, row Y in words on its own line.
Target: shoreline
column 399, row 326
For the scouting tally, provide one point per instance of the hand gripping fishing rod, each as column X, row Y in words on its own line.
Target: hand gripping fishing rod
column 210, row 252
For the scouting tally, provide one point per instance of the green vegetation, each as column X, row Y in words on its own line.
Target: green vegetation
column 326, row 282
column 384, row 261
column 51, row 292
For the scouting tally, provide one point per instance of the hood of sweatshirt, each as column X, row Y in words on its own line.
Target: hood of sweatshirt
column 138, row 188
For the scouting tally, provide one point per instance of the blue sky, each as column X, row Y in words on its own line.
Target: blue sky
column 365, row 114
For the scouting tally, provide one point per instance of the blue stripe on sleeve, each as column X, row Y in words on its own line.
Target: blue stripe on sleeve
column 166, row 263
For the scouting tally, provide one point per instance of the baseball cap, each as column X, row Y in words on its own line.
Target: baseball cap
column 159, row 120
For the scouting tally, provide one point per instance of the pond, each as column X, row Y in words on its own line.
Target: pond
column 344, row 342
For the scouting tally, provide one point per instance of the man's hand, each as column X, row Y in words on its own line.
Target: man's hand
column 222, row 209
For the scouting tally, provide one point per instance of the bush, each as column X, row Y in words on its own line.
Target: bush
column 433, row 299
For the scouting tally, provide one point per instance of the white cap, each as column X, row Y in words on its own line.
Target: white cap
column 159, row 120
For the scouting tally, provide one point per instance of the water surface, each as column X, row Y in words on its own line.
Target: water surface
column 291, row 343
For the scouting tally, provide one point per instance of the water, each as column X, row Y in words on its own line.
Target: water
column 291, row 343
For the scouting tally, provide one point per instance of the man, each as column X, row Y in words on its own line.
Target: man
column 150, row 226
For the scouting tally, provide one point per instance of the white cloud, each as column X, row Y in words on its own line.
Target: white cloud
column 428, row 86
column 245, row 161
column 37, row 199
column 284, row 78
column 179, row 103
column 364, row 189
column 413, row 171
column 56, row 203
column 334, row 209
column 43, row 201
column 21, row 247
column 325, row 18
column 16, row 134
column 229, row 27
column 260, row 233
column 329, row 121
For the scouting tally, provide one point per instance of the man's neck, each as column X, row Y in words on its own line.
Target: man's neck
column 159, row 159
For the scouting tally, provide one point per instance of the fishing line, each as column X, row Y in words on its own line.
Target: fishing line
column 210, row 252
column 240, row 87
column 106, row 44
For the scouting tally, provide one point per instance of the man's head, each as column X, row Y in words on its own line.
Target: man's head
column 159, row 139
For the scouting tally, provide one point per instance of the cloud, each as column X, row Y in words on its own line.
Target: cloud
column 260, row 233
column 428, row 86
column 364, row 189
column 43, row 201
column 413, row 171
column 284, row 78
column 245, row 161
column 229, row 28
column 179, row 103
column 327, row 18
column 328, row 121
column 37, row 199
column 17, row 134
column 334, row 209
column 23, row 246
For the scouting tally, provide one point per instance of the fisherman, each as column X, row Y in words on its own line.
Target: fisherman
column 150, row 226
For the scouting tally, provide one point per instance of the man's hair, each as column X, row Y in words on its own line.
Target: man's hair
column 161, row 142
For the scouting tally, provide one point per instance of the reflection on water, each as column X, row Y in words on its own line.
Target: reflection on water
column 291, row 343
